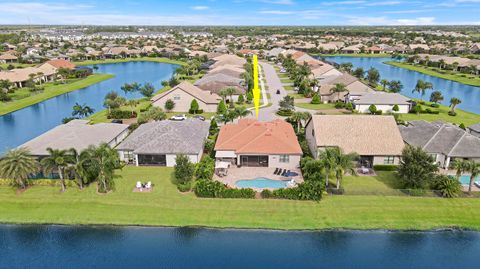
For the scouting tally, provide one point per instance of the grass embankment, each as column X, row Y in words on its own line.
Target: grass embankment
column 469, row 79
column 15, row 65
column 165, row 206
column 363, row 55
column 124, row 60
column 467, row 118
column 51, row 91
column 316, row 106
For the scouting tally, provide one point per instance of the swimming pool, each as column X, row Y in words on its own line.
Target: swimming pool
column 261, row 183
column 465, row 180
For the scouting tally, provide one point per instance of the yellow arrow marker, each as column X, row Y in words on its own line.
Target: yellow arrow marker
column 256, row 89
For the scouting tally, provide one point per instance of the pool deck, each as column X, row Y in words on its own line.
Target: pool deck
column 235, row 174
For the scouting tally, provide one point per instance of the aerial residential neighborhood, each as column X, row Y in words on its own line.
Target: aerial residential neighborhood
column 348, row 127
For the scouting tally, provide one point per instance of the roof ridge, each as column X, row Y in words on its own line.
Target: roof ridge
column 431, row 138
column 456, row 144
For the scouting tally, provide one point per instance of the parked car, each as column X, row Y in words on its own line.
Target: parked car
column 202, row 118
column 179, row 117
column 117, row 121
column 278, row 91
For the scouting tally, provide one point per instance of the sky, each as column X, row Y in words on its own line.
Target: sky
column 241, row 12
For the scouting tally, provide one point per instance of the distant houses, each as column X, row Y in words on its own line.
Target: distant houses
column 183, row 94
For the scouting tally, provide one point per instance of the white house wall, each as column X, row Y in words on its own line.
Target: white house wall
column 385, row 108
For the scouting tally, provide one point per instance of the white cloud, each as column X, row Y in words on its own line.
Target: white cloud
column 339, row 3
column 388, row 21
column 279, row 2
column 384, row 3
column 276, row 12
column 199, row 7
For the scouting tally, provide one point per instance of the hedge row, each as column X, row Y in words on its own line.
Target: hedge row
column 308, row 190
column 40, row 182
column 385, row 167
column 215, row 189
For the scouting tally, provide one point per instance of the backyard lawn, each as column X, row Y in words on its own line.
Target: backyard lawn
column 315, row 106
column 165, row 206
column 50, row 91
column 467, row 118
column 469, row 79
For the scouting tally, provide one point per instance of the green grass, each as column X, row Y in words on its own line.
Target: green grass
column 297, row 95
column 165, row 206
column 288, row 88
column 454, row 76
column 315, row 106
column 286, row 80
column 50, row 91
column 467, row 118
column 363, row 55
column 139, row 59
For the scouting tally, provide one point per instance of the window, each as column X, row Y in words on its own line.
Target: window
column 128, row 156
column 176, row 97
column 389, row 160
column 284, row 158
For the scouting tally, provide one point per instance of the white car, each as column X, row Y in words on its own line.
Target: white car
column 179, row 117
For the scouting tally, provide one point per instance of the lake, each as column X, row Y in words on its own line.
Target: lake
column 38, row 246
column 20, row 126
column 470, row 95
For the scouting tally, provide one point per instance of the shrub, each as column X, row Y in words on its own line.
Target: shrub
column 448, row 187
column 378, row 112
column 349, row 106
column 121, row 114
column 339, row 105
column 385, row 167
column 184, row 187
column 452, row 113
column 215, row 189
column 284, row 113
column 241, row 99
column 462, row 126
column 396, row 108
column 184, row 169
column 372, row 109
column 308, row 190
column 169, row 105
column 315, row 99
column 416, row 109
column 205, row 168
column 194, row 107
column 435, row 105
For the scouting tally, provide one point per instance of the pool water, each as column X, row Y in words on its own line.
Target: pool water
column 465, row 180
column 261, row 183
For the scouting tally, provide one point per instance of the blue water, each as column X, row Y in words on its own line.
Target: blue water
column 470, row 95
column 465, row 180
column 261, row 183
column 135, row 247
column 20, row 126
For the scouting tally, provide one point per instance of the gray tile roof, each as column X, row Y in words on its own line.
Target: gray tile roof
column 440, row 137
column 475, row 127
column 167, row 137
column 380, row 98
column 76, row 134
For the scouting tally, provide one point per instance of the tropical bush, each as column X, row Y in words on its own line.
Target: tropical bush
column 121, row 114
column 308, row 190
column 417, row 168
column 205, row 168
column 449, row 187
column 315, row 99
column 184, row 170
column 215, row 189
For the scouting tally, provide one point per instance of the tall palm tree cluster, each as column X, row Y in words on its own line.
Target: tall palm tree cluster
column 300, row 74
column 332, row 162
column 94, row 164
column 470, row 167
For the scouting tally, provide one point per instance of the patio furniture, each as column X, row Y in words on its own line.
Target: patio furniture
column 364, row 170
column 276, row 171
column 284, row 173
column 477, row 184
column 148, row 185
column 139, row 185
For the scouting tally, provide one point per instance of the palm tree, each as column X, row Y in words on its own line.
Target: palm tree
column 454, row 102
column 242, row 112
column 82, row 111
column 461, row 166
column 474, row 170
column 298, row 117
column 343, row 164
column 104, row 160
column 57, row 160
column 17, row 165
column 339, row 88
column 230, row 91
column 436, row 97
column 421, row 87
column 384, row 83
column 327, row 162
column 78, row 166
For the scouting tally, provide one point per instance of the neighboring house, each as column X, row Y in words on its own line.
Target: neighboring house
column 61, row 63
column 183, row 94
column 376, row 139
column 382, row 101
column 217, row 82
column 444, row 141
column 259, row 144
column 354, row 49
column 8, row 58
column 475, row 129
column 374, row 50
column 159, row 142
column 229, row 59
column 77, row 134
column 353, row 88
column 273, row 53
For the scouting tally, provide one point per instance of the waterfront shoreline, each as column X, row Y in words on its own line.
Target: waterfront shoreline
column 475, row 82
column 126, row 60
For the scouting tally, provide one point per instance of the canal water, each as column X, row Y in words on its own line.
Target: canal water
column 135, row 247
column 20, row 126
column 470, row 95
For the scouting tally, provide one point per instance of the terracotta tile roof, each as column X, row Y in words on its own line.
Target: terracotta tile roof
column 249, row 136
column 364, row 134
column 59, row 63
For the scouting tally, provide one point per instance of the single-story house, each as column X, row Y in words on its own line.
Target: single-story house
column 217, row 82
column 183, row 94
column 159, row 142
column 474, row 129
column 376, row 139
column 230, row 59
column 259, row 144
column 444, row 141
column 77, row 134
column 382, row 101
column 354, row 49
column 8, row 58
